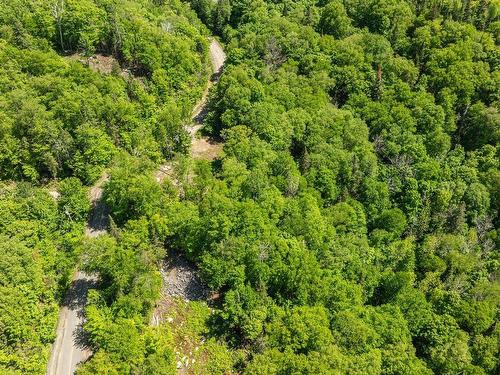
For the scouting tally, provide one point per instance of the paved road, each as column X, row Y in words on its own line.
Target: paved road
column 70, row 347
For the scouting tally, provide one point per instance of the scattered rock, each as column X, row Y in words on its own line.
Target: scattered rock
column 180, row 279
column 54, row 194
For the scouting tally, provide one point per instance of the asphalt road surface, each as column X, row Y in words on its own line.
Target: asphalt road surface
column 70, row 347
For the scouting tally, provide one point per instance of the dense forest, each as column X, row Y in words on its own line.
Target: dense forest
column 349, row 226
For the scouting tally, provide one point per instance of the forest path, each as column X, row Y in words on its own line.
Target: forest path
column 70, row 347
column 204, row 147
column 180, row 278
column 201, row 147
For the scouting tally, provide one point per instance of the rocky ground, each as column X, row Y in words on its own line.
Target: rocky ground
column 180, row 281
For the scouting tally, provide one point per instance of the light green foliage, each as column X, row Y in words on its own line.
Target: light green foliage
column 302, row 330
column 97, row 151
column 244, row 313
column 73, row 201
column 60, row 118
column 132, row 191
column 36, row 258
column 117, row 312
column 191, row 333
column 349, row 226
column 81, row 24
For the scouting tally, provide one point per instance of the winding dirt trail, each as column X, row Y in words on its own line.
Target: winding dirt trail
column 69, row 348
column 201, row 147
column 180, row 278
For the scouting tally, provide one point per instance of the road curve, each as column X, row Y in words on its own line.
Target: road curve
column 70, row 348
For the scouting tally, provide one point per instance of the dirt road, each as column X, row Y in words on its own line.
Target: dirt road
column 70, row 347
column 217, row 58
column 205, row 147
column 201, row 147
column 180, row 277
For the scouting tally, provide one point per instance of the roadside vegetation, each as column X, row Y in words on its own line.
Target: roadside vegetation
column 350, row 225
column 62, row 123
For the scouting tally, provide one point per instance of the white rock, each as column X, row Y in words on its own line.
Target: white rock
column 54, row 194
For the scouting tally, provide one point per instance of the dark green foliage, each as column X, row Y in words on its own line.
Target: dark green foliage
column 59, row 118
column 376, row 214
column 334, row 20
column 349, row 227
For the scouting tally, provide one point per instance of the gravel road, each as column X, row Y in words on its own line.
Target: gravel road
column 69, row 348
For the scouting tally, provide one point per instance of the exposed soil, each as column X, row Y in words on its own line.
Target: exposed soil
column 54, row 194
column 164, row 171
column 206, row 147
column 180, row 277
column 104, row 64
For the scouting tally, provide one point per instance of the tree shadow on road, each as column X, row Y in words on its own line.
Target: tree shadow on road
column 76, row 300
column 76, row 297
